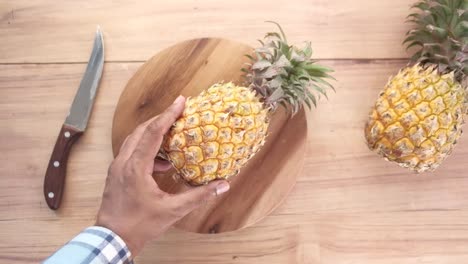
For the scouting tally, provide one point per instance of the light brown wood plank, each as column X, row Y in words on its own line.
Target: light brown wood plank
column 349, row 206
column 62, row 31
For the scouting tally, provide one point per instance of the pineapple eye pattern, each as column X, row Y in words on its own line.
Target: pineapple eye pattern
column 209, row 141
column 421, row 129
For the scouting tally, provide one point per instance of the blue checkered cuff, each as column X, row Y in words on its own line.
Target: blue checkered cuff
column 95, row 244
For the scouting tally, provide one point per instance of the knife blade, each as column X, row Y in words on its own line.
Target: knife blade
column 75, row 124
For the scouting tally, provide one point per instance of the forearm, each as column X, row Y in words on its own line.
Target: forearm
column 93, row 245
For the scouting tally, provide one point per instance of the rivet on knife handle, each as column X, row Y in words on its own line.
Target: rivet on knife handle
column 54, row 180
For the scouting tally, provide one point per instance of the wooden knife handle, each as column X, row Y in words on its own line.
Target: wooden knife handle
column 54, row 180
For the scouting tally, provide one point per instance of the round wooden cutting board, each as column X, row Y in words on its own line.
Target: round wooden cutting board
column 188, row 68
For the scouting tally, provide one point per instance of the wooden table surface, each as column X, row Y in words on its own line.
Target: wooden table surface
column 349, row 206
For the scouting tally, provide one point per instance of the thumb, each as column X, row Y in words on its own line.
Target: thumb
column 188, row 201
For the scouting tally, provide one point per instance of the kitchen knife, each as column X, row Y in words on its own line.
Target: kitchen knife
column 75, row 124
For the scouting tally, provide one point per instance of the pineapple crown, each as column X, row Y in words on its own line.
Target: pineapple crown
column 286, row 75
column 441, row 35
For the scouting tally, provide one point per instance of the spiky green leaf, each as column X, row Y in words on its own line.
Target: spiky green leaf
column 286, row 75
column 261, row 64
column 440, row 33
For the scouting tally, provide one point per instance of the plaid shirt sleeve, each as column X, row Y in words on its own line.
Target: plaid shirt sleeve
column 97, row 245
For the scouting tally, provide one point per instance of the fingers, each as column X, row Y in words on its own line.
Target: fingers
column 130, row 143
column 161, row 165
column 151, row 139
column 188, row 201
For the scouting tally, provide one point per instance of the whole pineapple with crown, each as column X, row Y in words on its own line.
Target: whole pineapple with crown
column 224, row 126
column 418, row 117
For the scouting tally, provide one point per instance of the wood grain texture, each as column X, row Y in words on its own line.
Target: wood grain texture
column 54, row 180
column 61, row 31
column 348, row 207
column 188, row 68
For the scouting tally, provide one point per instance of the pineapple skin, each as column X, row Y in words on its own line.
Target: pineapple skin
column 418, row 118
column 217, row 133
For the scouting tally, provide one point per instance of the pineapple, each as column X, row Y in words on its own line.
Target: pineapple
column 224, row 126
column 418, row 117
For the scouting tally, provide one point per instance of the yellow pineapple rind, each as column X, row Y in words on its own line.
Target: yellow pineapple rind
column 418, row 118
column 218, row 132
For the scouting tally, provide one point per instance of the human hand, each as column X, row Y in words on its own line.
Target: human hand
column 132, row 205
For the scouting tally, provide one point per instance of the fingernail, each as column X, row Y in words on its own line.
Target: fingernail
column 178, row 100
column 222, row 188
